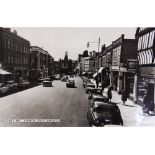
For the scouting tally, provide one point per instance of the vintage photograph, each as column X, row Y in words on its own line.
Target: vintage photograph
column 77, row 77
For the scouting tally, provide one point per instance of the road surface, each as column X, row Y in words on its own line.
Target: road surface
column 58, row 106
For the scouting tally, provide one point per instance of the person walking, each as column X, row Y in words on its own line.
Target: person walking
column 109, row 94
column 124, row 95
column 148, row 103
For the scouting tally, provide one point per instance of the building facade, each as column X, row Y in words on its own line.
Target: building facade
column 123, row 52
column 39, row 63
column 146, row 62
column 14, row 54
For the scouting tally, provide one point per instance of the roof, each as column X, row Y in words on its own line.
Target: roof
column 3, row 72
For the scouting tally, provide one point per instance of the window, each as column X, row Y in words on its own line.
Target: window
column 8, row 44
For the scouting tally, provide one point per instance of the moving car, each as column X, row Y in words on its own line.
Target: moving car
column 13, row 86
column 70, row 83
column 88, row 87
column 47, row 82
column 3, row 89
column 101, row 114
column 95, row 97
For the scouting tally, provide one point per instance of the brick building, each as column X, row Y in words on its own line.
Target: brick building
column 40, row 62
column 14, row 54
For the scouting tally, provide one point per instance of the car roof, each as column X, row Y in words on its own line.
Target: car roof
column 97, row 96
column 104, row 104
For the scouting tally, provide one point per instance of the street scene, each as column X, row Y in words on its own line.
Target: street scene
column 72, row 79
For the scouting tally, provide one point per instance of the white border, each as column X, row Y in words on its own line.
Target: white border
column 81, row 13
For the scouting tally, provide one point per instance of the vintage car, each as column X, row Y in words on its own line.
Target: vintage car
column 13, row 86
column 40, row 80
column 47, row 82
column 85, row 82
column 88, row 87
column 3, row 89
column 96, row 97
column 70, row 83
column 101, row 114
column 64, row 79
column 94, row 91
column 24, row 84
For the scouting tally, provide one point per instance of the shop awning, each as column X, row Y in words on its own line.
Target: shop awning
column 3, row 72
column 101, row 69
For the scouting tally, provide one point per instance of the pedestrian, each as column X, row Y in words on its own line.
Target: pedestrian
column 124, row 95
column 109, row 94
column 148, row 103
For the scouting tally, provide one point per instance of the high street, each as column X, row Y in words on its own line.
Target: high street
column 69, row 105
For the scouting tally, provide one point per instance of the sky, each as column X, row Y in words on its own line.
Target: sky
column 58, row 40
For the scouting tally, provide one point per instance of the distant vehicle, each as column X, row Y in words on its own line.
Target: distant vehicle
column 101, row 114
column 64, row 79
column 70, row 83
column 95, row 97
column 47, row 82
column 24, row 84
column 57, row 77
column 3, row 89
column 72, row 76
column 40, row 80
column 13, row 86
column 88, row 87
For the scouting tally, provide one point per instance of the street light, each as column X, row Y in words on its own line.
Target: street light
column 98, row 42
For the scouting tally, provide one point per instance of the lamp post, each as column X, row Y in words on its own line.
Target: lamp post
column 98, row 42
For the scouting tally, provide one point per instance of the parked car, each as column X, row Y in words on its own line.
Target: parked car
column 47, row 82
column 40, row 80
column 101, row 114
column 24, row 84
column 3, row 89
column 94, row 91
column 64, row 79
column 70, row 83
column 95, row 97
column 13, row 86
column 85, row 81
column 88, row 87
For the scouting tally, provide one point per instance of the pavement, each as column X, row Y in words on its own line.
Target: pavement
column 132, row 113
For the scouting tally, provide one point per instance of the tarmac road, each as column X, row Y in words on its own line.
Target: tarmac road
column 62, row 106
